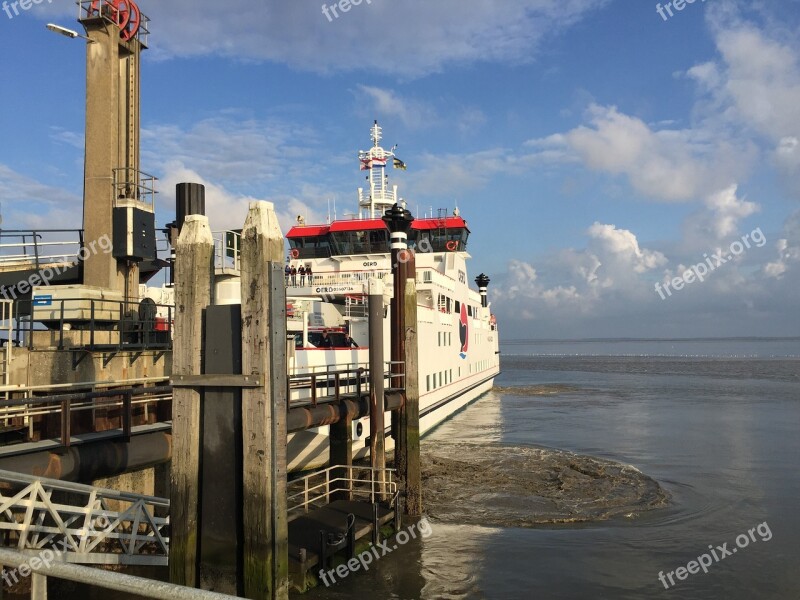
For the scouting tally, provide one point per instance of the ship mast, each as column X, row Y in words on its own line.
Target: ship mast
column 379, row 197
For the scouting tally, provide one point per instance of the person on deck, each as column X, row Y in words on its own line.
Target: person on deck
column 288, row 272
column 294, row 276
column 325, row 342
column 349, row 342
column 302, row 272
column 308, row 274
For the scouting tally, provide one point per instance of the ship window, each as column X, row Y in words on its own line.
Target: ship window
column 311, row 246
column 360, row 242
column 427, row 277
column 427, row 383
column 458, row 307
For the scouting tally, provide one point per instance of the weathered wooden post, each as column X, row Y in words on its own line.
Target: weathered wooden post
column 194, row 272
column 377, row 447
column 266, row 545
column 398, row 219
column 410, row 419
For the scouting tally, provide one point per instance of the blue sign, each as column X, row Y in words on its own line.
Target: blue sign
column 43, row 300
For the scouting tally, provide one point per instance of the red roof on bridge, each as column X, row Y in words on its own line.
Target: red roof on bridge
column 447, row 222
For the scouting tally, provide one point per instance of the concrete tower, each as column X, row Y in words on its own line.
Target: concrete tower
column 118, row 199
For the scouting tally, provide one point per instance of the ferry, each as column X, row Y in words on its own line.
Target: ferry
column 457, row 334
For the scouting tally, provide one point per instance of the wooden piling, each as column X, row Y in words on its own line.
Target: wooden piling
column 377, row 446
column 266, row 553
column 194, row 272
column 398, row 343
column 410, row 414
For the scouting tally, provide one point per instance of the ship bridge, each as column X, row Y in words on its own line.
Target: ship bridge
column 371, row 236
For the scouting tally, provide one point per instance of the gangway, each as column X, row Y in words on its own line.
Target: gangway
column 81, row 523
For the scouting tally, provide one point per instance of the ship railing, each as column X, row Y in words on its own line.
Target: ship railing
column 228, row 250
column 332, row 383
column 132, row 184
column 32, row 249
column 340, row 482
column 93, row 324
column 343, row 278
column 356, row 306
column 378, row 195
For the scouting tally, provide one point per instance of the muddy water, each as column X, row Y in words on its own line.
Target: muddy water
column 718, row 434
column 518, row 486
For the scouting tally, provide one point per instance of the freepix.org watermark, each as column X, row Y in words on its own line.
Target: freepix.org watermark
column 45, row 275
column 373, row 553
column 699, row 271
column 717, row 554
column 334, row 10
column 19, row 5
column 666, row 11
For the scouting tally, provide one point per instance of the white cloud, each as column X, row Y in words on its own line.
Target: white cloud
column 28, row 203
column 717, row 221
column 579, row 282
column 666, row 164
column 755, row 86
column 385, row 102
column 230, row 149
column 788, row 249
column 413, row 37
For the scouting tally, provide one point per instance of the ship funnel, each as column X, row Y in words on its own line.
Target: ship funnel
column 190, row 199
column 483, row 284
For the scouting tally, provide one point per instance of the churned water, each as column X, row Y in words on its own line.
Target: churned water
column 715, row 424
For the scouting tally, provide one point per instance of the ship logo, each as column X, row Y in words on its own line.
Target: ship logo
column 463, row 331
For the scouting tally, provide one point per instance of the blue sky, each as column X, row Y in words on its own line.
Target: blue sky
column 594, row 148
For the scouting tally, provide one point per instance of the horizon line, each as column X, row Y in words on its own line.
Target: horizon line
column 635, row 339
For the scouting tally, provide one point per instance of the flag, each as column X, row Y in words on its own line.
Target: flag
column 366, row 164
column 378, row 162
column 399, row 164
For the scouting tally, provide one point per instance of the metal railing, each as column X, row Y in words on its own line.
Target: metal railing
column 356, row 306
column 36, row 247
column 109, row 580
column 63, row 407
column 89, row 530
column 321, row 487
column 228, row 250
column 333, row 382
column 132, row 184
column 132, row 323
column 88, row 9
column 7, row 326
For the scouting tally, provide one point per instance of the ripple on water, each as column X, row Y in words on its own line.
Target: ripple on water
column 519, row 486
column 536, row 390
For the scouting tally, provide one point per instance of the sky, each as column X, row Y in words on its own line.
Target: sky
column 624, row 173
